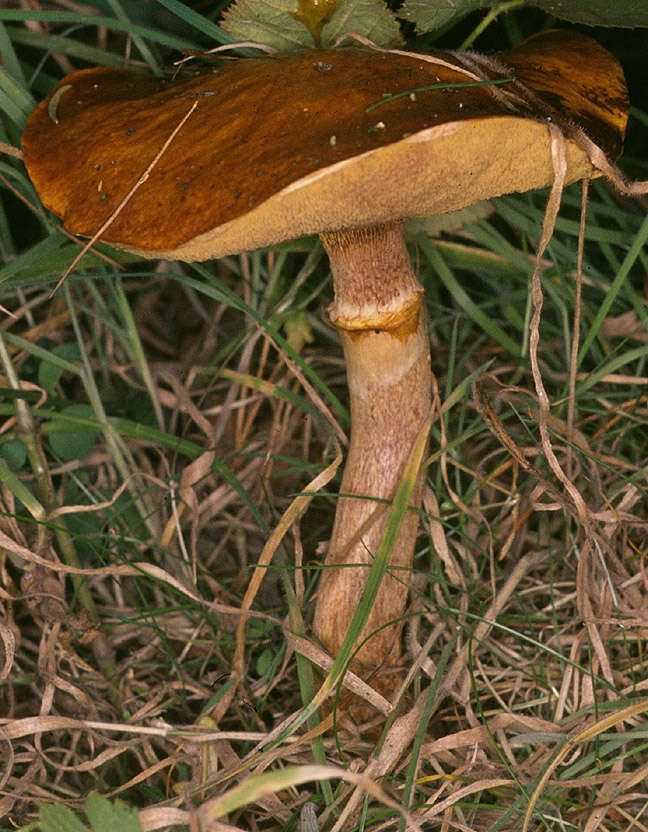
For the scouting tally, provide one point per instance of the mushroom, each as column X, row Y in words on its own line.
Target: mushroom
column 346, row 144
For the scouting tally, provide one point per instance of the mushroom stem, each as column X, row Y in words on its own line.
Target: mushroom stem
column 379, row 312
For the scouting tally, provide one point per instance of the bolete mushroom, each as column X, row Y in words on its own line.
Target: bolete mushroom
column 346, row 144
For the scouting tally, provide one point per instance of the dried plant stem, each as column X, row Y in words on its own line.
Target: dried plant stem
column 573, row 353
column 378, row 310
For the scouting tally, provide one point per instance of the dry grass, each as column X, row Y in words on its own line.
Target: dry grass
column 130, row 534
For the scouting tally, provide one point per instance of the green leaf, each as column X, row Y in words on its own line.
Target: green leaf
column 428, row 15
column 272, row 23
column 630, row 13
column 49, row 372
column 103, row 815
column 369, row 18
column 14, row 453
column 264, row 662
column 432, row 14
column 57, row 818
column 287, row 25
column 110, row 817
column 70, row 437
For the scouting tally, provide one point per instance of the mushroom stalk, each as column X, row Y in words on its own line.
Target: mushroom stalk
column 379, row 311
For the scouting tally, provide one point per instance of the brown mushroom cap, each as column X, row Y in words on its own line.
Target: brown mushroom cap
column 580, row 80
column 286, row 145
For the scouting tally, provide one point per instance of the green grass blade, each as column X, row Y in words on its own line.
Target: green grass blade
column 400, row 506
column 198, row 21
column 464, row 301
column 15, row 102
column 9, row 59
column 635, row 250
column 138, row 40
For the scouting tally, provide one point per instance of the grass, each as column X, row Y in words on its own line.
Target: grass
column 165, row 428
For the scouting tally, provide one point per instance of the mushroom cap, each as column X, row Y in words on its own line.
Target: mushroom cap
column 292, row 144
